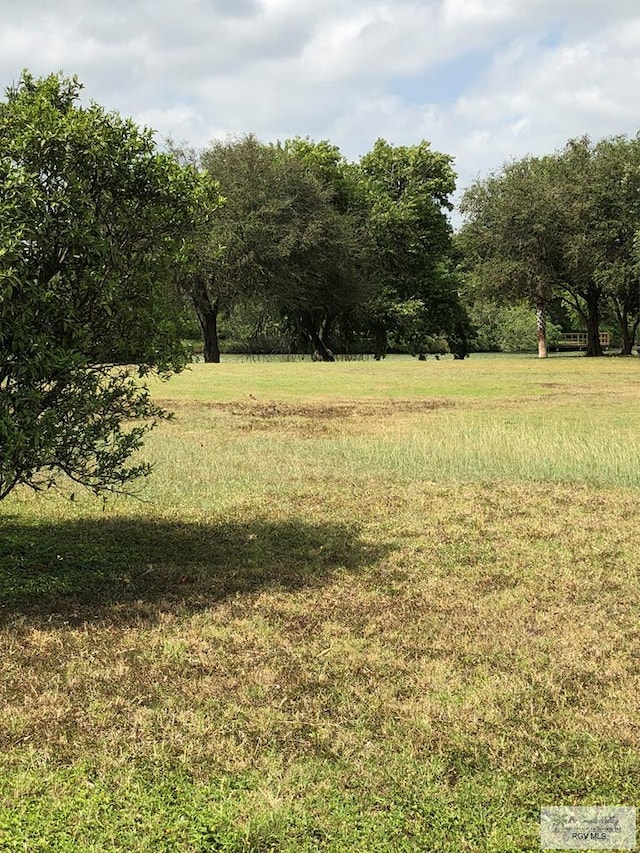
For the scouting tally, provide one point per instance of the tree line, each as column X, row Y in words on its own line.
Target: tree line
column 353, row 254
column 105, row 240
column 360, row 256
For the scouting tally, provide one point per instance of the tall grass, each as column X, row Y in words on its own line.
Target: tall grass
column 478, row 449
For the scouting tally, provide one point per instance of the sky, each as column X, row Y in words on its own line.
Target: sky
column 483, row 80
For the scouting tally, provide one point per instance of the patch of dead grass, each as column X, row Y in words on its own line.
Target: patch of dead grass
column 304, row 419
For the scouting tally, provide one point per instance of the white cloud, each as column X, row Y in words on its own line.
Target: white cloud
column 330, row 69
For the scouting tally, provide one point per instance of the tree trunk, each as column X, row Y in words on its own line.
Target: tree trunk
column 593, row 323
column 321, row 351
column 627, row 329
column 541, row 324
column 380, row 341
column 207, row 312
column 634, row 332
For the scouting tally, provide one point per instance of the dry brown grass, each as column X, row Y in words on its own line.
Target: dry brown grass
column 487, row 596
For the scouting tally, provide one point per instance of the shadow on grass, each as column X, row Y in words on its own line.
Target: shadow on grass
column 132, row 569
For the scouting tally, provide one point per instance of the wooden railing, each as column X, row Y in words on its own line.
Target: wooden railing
column 578, row 340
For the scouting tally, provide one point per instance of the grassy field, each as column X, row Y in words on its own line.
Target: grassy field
column 360, row 607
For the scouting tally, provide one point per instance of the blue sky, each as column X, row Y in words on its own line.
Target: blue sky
column 483, row 80
column 445, row 83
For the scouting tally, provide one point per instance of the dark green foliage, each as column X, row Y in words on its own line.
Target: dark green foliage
column 326, row 290
column 281, row 240
column 414, row 293
column 92, row 223
column 510, row 238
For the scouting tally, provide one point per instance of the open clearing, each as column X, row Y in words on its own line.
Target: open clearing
column 363, row 607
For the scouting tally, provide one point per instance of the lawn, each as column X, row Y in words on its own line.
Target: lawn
column 358, row 607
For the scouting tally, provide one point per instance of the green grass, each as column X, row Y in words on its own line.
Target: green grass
column 361, row 607
column 398, row 377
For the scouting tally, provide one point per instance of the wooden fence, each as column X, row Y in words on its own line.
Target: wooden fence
column 578, row 340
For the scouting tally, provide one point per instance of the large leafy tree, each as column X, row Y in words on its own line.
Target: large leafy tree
column 562, row 225
column 601, row 184
column 92, row 225
column 338, row 279
column 413, row 288
column 241, row 249
column 580, row 222
column 511, row 241
column 279, row 239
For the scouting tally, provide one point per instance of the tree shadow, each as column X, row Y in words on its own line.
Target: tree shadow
column 134, row 569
